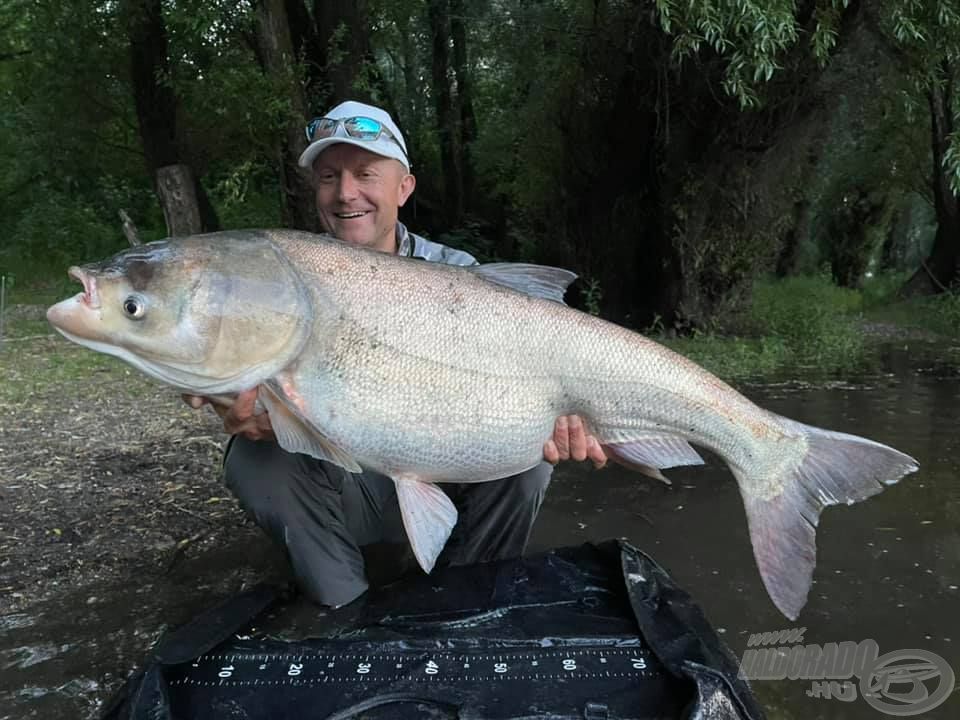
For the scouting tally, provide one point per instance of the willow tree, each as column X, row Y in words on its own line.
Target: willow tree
column 922, row 35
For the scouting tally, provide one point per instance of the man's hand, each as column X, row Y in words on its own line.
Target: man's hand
column 571, row 441
column 239, row 418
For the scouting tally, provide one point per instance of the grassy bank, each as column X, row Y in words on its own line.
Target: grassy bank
column 808, row 325
column 803, row 323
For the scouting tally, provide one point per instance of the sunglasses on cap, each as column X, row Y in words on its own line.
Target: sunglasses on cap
column 358, row 128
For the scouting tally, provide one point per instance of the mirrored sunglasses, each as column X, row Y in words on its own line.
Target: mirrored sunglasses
column 358, row 128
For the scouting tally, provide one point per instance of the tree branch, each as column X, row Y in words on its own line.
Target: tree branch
column 15, row 54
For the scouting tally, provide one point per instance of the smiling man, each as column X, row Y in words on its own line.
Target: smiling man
column 323, row 516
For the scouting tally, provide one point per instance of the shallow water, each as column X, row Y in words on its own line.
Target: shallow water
column 888, row 568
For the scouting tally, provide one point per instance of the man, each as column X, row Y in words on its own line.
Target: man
column 322, row 515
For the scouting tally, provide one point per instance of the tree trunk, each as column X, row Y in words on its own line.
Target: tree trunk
column 468, row 118
column 438, row 13
column 276, row 47
column 181, row 211
column 343, row 47
column 941, row 269
column 156, row 106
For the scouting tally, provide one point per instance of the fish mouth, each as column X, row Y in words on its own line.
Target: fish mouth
column 89, row 297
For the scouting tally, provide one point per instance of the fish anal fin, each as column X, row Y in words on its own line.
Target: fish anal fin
column 295, row 433
column 650, row 453
column 428, row 517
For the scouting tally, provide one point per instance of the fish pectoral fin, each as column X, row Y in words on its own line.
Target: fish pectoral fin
column 539, row 281
column 297, row 435
column 647, row 455
column 428, row 517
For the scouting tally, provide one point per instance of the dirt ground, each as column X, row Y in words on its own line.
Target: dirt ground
column 104, row 475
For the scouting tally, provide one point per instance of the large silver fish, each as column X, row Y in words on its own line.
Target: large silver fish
column 431, row 373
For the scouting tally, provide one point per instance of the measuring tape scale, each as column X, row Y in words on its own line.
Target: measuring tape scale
column 556, row 663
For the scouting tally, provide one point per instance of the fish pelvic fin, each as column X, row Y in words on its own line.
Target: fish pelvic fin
column 651, row 453
column 836, row 468
column 428, row 517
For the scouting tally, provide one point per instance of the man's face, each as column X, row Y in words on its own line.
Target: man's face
column 359, row 195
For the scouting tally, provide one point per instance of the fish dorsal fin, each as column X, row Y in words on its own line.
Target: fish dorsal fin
column 296, row 434
column 539, row 281
column 428, row 517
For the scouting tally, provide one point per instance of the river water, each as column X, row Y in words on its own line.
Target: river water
column 888, row 569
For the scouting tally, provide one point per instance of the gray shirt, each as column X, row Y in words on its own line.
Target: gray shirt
column 410, row 245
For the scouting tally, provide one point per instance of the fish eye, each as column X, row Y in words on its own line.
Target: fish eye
column 134, row 307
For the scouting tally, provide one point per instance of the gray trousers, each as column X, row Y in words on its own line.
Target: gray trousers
column 322, row 515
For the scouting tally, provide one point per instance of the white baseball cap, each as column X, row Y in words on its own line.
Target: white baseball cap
column 387, row 139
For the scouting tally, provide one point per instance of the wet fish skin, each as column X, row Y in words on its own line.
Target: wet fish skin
column 431, row 373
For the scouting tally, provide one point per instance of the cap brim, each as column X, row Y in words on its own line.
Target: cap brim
column 382, row 146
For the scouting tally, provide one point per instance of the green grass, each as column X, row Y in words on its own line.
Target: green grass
column 732, row 357
column 42, row 367
column 36, row 362
column 798, row 324
column 39, row 291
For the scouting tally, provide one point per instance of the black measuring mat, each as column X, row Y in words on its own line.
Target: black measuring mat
column 589, row 632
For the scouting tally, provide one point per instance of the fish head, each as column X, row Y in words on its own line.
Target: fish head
column 203, row 315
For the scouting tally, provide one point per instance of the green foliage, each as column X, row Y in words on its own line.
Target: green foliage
column 56, row 234
column 246, row 195
column 732, row 357
column 750, row 34
column 718, row 257
column 592, row 295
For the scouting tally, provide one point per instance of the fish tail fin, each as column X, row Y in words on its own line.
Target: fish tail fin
column 836, row 468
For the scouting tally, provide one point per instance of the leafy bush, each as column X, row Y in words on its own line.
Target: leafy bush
column 246, row 196
column 52, row 235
